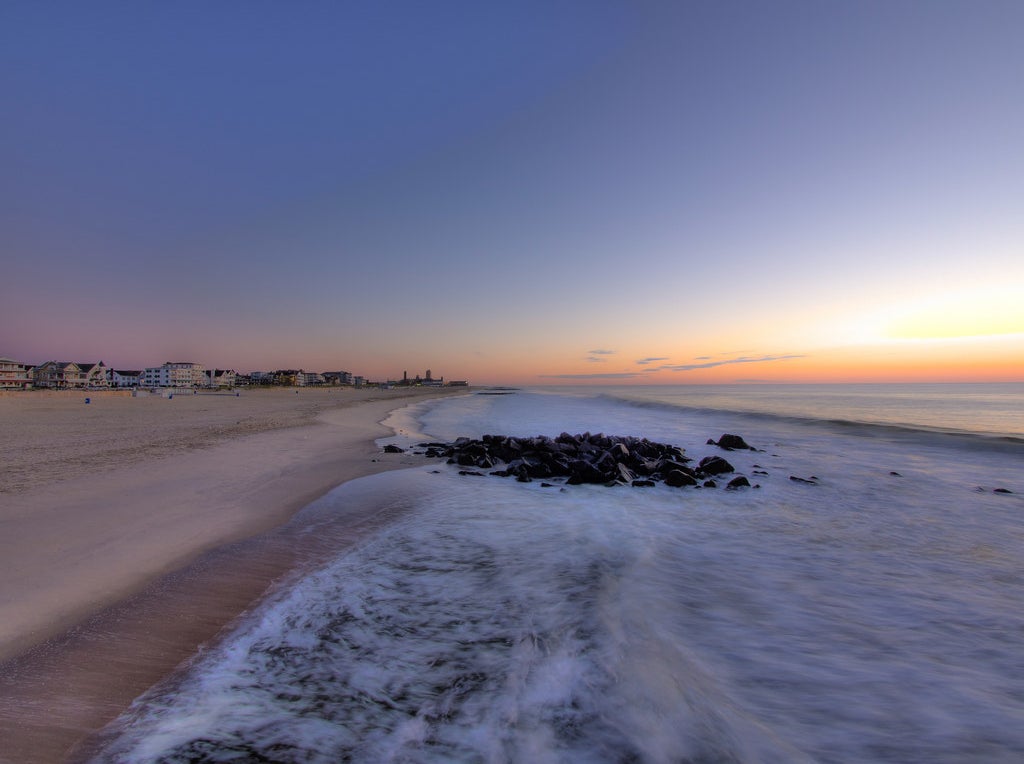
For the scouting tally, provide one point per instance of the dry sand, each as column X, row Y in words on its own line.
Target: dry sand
column 133, row 529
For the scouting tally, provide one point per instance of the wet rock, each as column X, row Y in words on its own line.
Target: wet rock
column 738, row 482
column 733, row 443
column 588, row 458
column 809, row 481
column 390, row 449
column 679, row 479
column 1002, row 490
column 715, row 465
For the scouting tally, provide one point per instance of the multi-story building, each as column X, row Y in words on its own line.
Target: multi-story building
column 14, row 375
column 289, row 377
column 338, row 377
column 59, row 375
column 219, row 378
column 175, row 374
column 95, row 374
column 125, row 377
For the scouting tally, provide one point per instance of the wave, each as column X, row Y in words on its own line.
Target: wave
column 921, row 434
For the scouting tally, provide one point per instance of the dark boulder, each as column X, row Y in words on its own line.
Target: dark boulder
column 389, row 449
column 738, row 482
column 733, row 443
column 582, row 471
column 679, row 479
column 808, row 481
column 715, row 465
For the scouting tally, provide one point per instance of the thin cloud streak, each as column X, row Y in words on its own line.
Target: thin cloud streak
column 683, row 367
column 713, row 364
column 594, row 356
column 643, row 361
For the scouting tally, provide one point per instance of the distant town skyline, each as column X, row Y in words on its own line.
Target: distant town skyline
column 524, row 193
column 62, row 374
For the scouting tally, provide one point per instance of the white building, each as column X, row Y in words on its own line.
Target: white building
column 14, row 375
column 175, row 374
column 126, row 377
column 96, row 375
column 219, row 377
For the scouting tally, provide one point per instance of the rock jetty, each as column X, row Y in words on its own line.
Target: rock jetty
column 586, row 458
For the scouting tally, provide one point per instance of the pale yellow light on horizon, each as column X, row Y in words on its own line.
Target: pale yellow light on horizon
column 989, row 312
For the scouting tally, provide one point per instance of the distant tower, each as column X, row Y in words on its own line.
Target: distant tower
column 405, row 377
column 428, row 375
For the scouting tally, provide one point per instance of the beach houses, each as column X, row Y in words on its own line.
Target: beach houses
column 220, row 377
column 337, row 377
column 67, row 375
column 95, row 375
column 58, row 375
column 14, row 375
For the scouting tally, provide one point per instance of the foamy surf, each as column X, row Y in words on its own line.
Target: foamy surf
column 862, row 617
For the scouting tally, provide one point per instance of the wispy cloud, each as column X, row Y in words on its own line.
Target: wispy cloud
column 601, row 352
column 595, row 355
column 707, row 364
column 726, row 362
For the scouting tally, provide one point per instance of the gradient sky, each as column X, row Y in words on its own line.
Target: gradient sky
column 529, row 193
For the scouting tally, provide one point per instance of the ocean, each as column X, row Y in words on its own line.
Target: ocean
column 871, row 611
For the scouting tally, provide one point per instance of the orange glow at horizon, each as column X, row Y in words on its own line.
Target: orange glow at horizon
column 988, row 359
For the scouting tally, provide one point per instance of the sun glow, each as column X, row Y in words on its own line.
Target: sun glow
column 979, row 313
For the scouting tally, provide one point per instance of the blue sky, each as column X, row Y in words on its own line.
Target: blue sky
column 494, row 190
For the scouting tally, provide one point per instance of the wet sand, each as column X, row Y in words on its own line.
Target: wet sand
column 125, row 556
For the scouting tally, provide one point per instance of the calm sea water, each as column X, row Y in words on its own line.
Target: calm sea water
column 868, row 617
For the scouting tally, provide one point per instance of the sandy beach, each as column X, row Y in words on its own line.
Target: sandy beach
column 133, row 529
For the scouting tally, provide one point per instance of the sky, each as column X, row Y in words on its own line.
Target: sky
column 517, row 193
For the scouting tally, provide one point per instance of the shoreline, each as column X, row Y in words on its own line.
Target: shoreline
column 115, row 576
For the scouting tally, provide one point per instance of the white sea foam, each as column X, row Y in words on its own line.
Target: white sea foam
column 869, row 617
